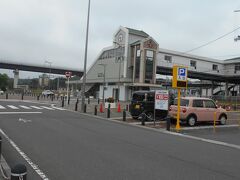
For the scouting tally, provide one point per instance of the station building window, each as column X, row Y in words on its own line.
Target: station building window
column 149, row 64
column 193, row 64
column 215, row 67
column 168, row 58
column 137, row 63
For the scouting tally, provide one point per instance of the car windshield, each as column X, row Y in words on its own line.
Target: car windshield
column 138, row 97
column 183, row 102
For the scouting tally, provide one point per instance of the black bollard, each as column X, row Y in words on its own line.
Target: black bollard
column 108, row 111
column 88, row 100
column 62, row 102
column 38, row 97
column 6, row 95
column 98, row 100
column 168, row 121
column 124, row 115
column 77, row 100
column 52, row 97
column 127, row 107
column 19, row 172
column 76, row 106
column 68, row 100
column 22, row 96
column 95, row 110
column 85, row 108
column 143, row 119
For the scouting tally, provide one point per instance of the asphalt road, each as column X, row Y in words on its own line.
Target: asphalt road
column 69, row 146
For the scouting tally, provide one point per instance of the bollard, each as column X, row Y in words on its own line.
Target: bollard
column 143, row 119
column 52, row 97
column 95, row 110
column 68, row 100
column 98, row 100
column 38, row 97
column 88, row 100
column 62, row 102
column 76, row 106
column 168, row 121
column 127, row 107
column 85, row 108
column 108, row 111
column 22, row 96
column 124, row 115
column 77, row 100
column 19, row 172
column 6, row 95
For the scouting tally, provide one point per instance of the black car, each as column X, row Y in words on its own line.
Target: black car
column 143, row 101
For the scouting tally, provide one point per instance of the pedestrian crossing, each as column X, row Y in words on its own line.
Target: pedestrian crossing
column 30, row 107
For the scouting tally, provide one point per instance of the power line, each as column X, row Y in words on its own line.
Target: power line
column 212, row 41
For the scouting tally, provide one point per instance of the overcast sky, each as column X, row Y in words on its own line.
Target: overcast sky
column 33, row 31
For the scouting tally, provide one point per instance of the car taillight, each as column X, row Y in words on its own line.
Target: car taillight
column 184, row 110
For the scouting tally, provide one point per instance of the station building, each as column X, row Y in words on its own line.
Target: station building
column 134, row 60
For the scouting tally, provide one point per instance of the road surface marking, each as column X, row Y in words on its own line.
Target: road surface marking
column 24, row 107
column 29, row 161
column 35, row 107
column 208, row 127
column 1, row 107
column 45, row 107
column 13, row 107
column 20, row 112
column 57, row 108
column 24, row 120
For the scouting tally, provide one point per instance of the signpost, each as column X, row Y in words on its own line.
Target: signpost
column 68, row 75
column 180, row 82
column 161, row 101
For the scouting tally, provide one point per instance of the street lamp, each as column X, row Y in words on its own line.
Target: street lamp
column 85, row 61
column 50, row 65
column 119, row 60
column 104, row 71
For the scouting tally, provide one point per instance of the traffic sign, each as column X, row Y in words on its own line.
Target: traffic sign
column 68, row 74
column 161, row 99
column 179, row 77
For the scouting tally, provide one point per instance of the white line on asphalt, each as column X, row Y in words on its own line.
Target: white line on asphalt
column 58, row 108
column 13, row 107
column 29, row 161
column 20, row 112
column 24, row 107
column 45, row 107
column 208, row 127
column 35, row 107
column 1, row 107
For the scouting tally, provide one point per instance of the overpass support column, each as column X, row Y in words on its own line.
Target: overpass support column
column 16, row 77
column 212, row 88
column 226, row 89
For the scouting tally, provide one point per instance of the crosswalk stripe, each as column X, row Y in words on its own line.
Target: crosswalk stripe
column 24, row 107
column 13, row 107
column 35, row 107
column 58, row 108
column 45, row 107
column 1, row 107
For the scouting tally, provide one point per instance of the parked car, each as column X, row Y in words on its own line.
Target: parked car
column 1, row 92
column 143, row 101
column 197, row 109
column 47, row 92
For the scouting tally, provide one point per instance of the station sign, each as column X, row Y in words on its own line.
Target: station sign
column 161, row 99
column 68, row 74
column 179, row 77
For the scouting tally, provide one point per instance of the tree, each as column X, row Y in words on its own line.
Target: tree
column 3, row 82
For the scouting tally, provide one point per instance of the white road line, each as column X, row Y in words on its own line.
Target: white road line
column 20, row 112
column 58, row 108
column 29, row 161
column 13, row 107
column 208, row 127
column 45, row 107
column 35, row 107
column 1, row 107
column 24, row 107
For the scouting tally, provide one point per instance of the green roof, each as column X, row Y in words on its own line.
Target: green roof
column 137, row 32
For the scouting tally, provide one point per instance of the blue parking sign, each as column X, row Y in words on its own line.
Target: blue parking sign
column 182, row 75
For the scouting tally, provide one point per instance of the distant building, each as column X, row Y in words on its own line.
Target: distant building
column 43, row 80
